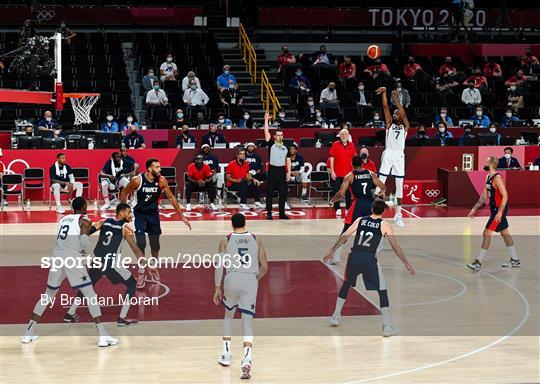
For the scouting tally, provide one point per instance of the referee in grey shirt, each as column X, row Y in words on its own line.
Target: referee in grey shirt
column 278, row 174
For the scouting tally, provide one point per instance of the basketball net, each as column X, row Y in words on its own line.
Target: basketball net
column 82, row 105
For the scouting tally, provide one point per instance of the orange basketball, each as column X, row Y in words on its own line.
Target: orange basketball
column 374, row 51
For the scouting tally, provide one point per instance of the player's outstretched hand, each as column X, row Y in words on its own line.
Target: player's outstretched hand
column 410, row 269
column 217, row 296
column 471, row 213
column 380, row 90
column 186, row 222
column 327, row 258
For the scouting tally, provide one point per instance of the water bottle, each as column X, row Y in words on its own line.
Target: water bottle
column 331, row 125
column 90, row 144
column 95, row 205
column 28, row 204
column 318, row 144
column 178, row 197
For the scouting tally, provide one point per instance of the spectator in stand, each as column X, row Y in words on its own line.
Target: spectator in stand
column 148, row 80
column 376, row 121
column 310, row 110
column 223, row 79
column 329, row 97
column 421, row 133
column 467, row 133
column 322, row 59
column 246, row 121
column 447, row 68
column 185, row 137
column 361, row 96
column 299, row 87
column 179, row 119
column 529, row 62
column 286, row 61
column 341, row 154
column 110, row 124
column 403, row 95
column 195, row 99
column 445, row 85
column 186, row 81
column 414, row 71
column 471, row 96
column 519, row 80
column 63, row 180
column 257, row 172
column 514, row 98
column 493, row 131
column 213, row 136
column 377, row 68
column 480, row 82
column 508, row 161
column 367, row 164
column 492, row 69
column 223, row 121
column 280, row 120
column 198, row 120
column 130, row 122
column 133, row 139
column 508, row 118
column 156, row 98
column 298, row 171
column 168, row 69
column 443, row 116
column 232, row 100
column 347, row 73
column 29, row 129
column 238, row 177
column 442, row 133
column 200, row 179
column 480, row 120
column 316, row 120
column 48, row 124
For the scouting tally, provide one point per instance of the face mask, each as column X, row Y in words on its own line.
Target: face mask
column 231, row 86
column 477, row 73
column 185, row 131
column 441, row 129
column 443, row 115
column 478, row 113
column 48, row 119
column 486, row 168
column 467, row 133
column 285, row 50
column 134, row 133
column 169, row 59
column 508, row 114
column 318, row 114
column 376, row 117
column 198, row 165
column 299, row 73
column 421, row 133
column 398, row 89
column 226, row 72
column 221, row 121
column 156, row 88
column 281, row 115
column 411, row 62
column 361, row 88
column 150, row 74
column 56, row 132
column 129, row 120
column 528, row 54
column 180, row 115
column 512, row 88
column 363, row 155
column 330, row 89
column 471, row 86
column 493, row 130
column 507, row 156
column 194, row 87
column 246, row 117
column 109, row 118
column 310, row 104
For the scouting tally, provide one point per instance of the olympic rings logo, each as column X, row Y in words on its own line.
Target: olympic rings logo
column 432, row 193
column 45, row 14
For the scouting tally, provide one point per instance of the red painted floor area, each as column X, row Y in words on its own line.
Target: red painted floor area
column 291, row 289
column 299, row 213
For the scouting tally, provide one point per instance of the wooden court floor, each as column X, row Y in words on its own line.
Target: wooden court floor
column 456, row 326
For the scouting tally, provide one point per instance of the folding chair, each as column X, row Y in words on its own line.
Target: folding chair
column 34, row 179
column 169, row 173
column 320, row 183
column 16, row 181
column 82, row 175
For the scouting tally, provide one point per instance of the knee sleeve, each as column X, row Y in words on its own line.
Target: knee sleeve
column 93, row 308
column 383, row 298
column 141, row 241
column 131, row 287
column 399, row 187
column 344, row 290
column 154, row 242
column 247, row 327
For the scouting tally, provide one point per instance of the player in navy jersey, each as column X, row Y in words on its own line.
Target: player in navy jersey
column 369, row 232
column 361, row 183
column 147, row 189
column 498, row 200
column 113, row 232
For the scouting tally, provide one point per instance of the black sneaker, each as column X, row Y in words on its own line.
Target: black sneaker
column 476, row 265
column 71, row 319
column 305, row 199
column 283, row 216
column 269, row 217
column 126, row 322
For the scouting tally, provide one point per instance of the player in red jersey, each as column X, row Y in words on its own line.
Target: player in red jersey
column 498, row 199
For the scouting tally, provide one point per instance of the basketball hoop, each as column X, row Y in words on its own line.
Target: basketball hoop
column 82, row 104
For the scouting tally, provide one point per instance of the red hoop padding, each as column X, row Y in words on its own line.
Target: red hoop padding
column 23, row 96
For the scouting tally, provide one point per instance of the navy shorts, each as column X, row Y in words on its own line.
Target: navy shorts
column 149, row 224
column 497, row 226
column 368, row 266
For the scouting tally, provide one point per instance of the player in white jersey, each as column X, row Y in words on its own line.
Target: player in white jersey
column 393, row 157
column 248, row 265
column 72, row 241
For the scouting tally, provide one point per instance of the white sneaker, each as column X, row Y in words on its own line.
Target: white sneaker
column 26, row 339
column 287, row 207
column 60, row 209
column 244, row 207
column 335, row 320
column 224, row 359
column 105, row 207
column 476, row 265
column 388, row 331
column 105, row 341
column 338, row 212
column 4, row 203
column 399, row 220
column 115, row 201
column 259, row 205
column 512, row 263
column 213, row 207
column 245, row 369
column 188, row 207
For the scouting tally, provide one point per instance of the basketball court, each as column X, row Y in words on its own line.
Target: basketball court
column 454, row 325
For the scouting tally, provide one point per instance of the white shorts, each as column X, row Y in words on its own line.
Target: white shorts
column 240, row 292
column 393, row 163
column 77, row 277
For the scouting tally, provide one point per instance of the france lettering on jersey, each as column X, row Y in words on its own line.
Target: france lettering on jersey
column 246, row 247
column 368, row 236
column 147, row 196
column 362, row 185
column 395, row 137
column 67, row 242
column 110, row 238
column 495, row 197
